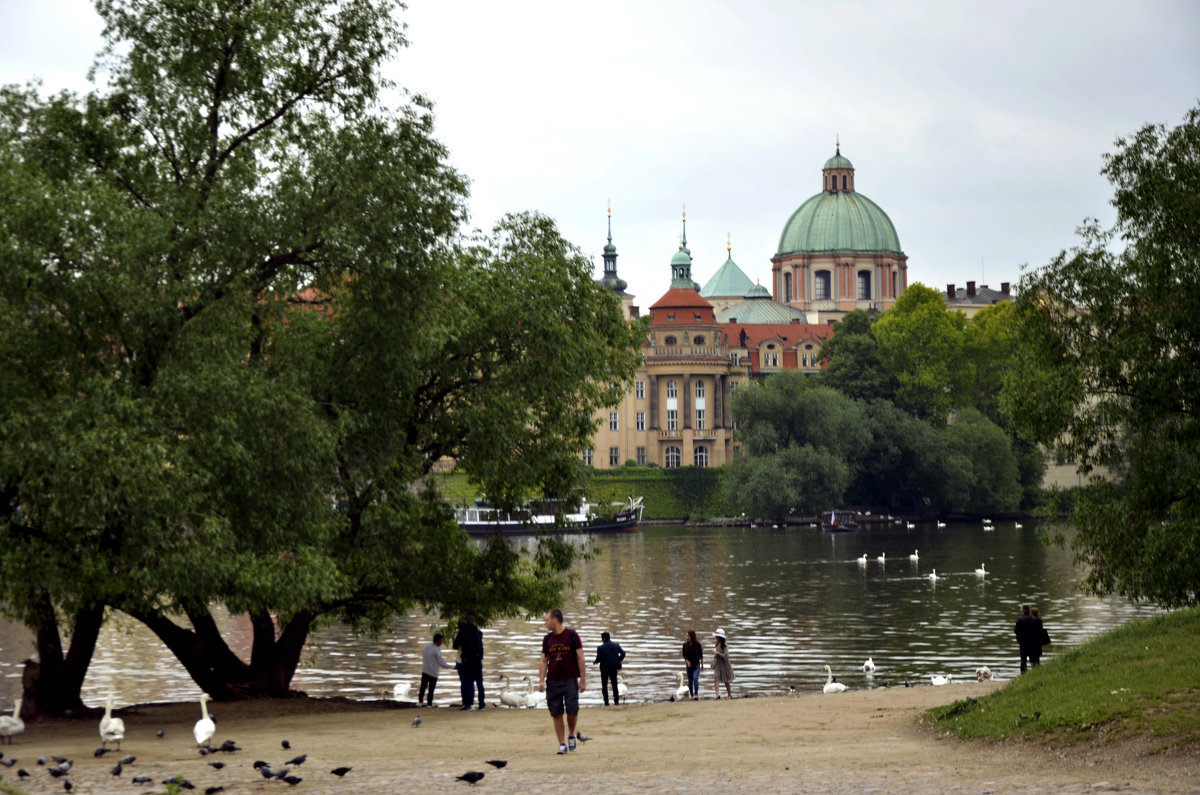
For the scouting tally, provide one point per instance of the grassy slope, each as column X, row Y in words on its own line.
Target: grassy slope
column 1141, row 679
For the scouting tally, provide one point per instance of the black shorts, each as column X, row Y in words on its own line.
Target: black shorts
column 562, row 695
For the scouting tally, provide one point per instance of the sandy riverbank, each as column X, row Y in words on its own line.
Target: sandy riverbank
column 852, row 742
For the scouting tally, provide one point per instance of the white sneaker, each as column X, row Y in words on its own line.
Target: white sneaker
column 562, row 749
column 571, row 743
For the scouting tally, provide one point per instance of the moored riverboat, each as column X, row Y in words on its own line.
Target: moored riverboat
column 483, row 519
column 840, row 522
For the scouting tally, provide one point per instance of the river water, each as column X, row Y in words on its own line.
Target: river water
column 790, row 601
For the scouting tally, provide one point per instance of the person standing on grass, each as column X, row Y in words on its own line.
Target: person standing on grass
column 432, row 663
column 1029, row 638
column 609, row 656
column 693, row 655
column 722, row 669
column 561, row 675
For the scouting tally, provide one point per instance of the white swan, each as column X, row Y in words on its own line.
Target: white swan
column 402, row 691
column 622, row 688
column 882, row 557
column 863, row 560
column 11, row 724
column 682, row 693
column 205, row 728
column 910, row 525
column 983, row 673
column 1018, row 525
column 982, row 570
column 938, row 680
column 933, row 576
column 830, row 685
column 869, row 666
column 533, row 698
column 512, row 699
column 112, row 730
column 915, row 555
column 941, row 524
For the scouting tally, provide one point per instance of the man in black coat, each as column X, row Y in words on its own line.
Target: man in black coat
column 609, row 656
column 469, row 644
column 1029, row 638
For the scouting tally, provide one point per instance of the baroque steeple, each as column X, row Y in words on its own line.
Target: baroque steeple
column 610, row 279
column 681, row 263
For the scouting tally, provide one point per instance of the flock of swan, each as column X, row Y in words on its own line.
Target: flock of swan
column 832, row 685
column 915, row 557
column 112, row 729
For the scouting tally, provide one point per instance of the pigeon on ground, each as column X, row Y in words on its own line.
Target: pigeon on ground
column 140, row 779
column 497, row 763
column 8, row 762
column 22, row 773
column 116, row 771
column 213, row 790
column 472, row 777
column 297, row 760
column 293, row 780
column 128, row 760
column 216, row 765
column 340, row 771
column 101, row 751
column 286, row 745
column 161, row 733
column 417, row 721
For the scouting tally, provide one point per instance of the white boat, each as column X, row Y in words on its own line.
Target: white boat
column 483, row 519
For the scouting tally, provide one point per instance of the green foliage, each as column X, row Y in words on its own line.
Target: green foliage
column 922, row 345
column 239, row 325
column 854, row 365
column 1106, row 369
column 1136, row 680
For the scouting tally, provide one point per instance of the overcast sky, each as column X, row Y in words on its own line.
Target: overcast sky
column 978, row 127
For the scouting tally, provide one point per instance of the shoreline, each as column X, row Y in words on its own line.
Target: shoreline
column 850, row 742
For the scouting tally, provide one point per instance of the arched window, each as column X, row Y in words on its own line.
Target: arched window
column 824, row 285
column 672, row 458
column 700, row 454
column 863, row 293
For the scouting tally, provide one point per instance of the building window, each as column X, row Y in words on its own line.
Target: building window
column 698, row 340
column 641, row 456
column 843, row 182
column 770, row 360
column 700, row 455
column 672, row 389
column 737, row 450
column 587, row 458
column 612, row 421
column 672, row 419
column 699, row 419
column 787, row 287
column 864, row 286
column 672, row 458
column 700, row 390
column 639, row 390
column 641, row 420
column 614, row 456
column 824, row 285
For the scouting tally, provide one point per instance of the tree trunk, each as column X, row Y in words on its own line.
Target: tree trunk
column 221, row 673
column 52, row 685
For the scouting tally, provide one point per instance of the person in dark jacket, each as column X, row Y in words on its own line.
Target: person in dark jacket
column 609, row 656
column 469, row 644
column 693, row 655
column 1029, row 638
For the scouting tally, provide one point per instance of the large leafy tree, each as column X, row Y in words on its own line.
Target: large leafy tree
column 854, row 366
column 802, row 447
column 1110, row 334
column 241, row 328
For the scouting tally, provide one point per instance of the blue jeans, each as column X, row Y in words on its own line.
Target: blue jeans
column 470, row 676
column 694, row 680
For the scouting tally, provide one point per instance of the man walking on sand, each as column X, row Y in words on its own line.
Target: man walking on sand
column 561, row 676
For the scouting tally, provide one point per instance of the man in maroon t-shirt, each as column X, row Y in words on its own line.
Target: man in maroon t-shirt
column 561, row 675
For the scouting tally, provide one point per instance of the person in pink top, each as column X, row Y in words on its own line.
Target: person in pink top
column 561, row 675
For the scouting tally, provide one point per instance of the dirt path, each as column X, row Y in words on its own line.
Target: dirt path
column 858, row 741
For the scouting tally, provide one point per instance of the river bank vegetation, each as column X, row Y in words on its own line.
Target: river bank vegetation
column 1141, row 679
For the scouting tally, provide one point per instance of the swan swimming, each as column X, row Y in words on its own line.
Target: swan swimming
column 830, row 685
column 938, row 680
column 933, row 576
column 915, row 555
column 941, row 524
column 882, row 557
column 112, row 730
column 863, row 560
column 204, row 728
column 869, row 666
column 982, row 570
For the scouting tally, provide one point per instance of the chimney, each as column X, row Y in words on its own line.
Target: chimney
column 950, row 292
column 1004, row 287
column 970, row 289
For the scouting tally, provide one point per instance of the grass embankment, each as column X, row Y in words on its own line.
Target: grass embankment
column 1139, row 680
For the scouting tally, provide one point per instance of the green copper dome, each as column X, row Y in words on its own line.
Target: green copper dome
column 837, row 161
column 838, row 221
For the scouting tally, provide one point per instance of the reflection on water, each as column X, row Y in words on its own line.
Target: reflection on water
column 790, row 601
